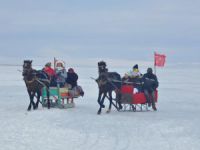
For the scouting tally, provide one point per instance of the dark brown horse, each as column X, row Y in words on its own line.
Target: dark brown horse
column 107, row 84
column 35, row 81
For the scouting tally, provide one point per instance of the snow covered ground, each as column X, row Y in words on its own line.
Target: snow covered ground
column 175, row 126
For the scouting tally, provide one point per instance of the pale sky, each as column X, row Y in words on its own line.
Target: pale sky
column 114, row 29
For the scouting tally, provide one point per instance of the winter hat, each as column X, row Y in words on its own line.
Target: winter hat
column 60, row 63
column 135, row 67
column 149, row 70
column 71, row 70
column 48, row 64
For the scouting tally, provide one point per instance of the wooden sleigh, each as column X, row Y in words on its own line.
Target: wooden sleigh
column 59, row 97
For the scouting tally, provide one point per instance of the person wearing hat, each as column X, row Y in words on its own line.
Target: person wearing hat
column 134, row 73
column 135, row 77
column 72, row 77
column 150, row 84
column 50, row 72
column 61, row 73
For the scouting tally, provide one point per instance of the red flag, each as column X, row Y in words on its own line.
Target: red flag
column 159, row 60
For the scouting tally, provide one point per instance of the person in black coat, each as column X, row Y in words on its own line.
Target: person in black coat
column 150, row 85
column 72, row 78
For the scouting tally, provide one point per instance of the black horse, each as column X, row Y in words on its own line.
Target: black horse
column 35, row 81
column 107, row 83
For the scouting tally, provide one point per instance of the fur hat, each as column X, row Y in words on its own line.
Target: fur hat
column 61, row 63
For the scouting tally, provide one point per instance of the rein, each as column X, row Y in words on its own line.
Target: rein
column 127, row 82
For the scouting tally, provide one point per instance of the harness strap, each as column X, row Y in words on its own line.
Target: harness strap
column 128, row 82
column 31, row 81
column 39, row 79
column 41, row 82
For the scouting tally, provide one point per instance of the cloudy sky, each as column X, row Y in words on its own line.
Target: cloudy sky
column 114, row 29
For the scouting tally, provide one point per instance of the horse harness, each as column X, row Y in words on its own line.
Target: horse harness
column 107, row 80
column 38, row 80
column 35, row 78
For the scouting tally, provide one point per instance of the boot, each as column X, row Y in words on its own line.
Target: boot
column 154, row 107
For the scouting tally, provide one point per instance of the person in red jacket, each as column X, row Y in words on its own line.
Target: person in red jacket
column 51, row 73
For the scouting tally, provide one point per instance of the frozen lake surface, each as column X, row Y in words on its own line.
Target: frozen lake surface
column 175, row 126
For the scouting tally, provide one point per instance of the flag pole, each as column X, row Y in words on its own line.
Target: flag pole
column 154, row 63
column 54, row 63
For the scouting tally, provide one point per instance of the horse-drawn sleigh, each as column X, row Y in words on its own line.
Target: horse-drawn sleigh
column 38, row 85
column 126, row 98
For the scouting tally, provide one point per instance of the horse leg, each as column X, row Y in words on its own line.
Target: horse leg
column 118, row 98
column 31, row 96
column 110, row 99
column 29, row 106
column 100, row 101
column 99, row 98
column 38, row 99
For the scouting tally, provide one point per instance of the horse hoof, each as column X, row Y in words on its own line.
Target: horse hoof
column 103, row 106
column 120, row 107
column 36, row 107
column 99, row 112
column 108, row 111
column 29, row 109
